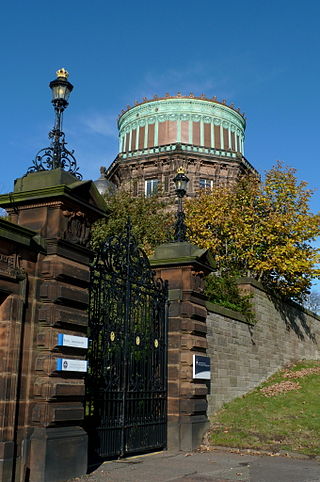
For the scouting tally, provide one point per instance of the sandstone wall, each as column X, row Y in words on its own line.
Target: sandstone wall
column 242, row 355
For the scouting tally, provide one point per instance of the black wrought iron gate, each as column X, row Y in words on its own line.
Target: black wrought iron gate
column 126, row 407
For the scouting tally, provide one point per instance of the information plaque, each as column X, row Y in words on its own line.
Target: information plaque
column 72, row 341
column 71, row 365
column 201, row 367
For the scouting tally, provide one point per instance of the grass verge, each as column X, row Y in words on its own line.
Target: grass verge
column 282, row 414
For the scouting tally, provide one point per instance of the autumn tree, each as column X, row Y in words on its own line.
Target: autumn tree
column 152, row 221
column 312, row 302
column 260, row 229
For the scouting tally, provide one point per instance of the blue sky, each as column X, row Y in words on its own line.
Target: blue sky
column 263, row 56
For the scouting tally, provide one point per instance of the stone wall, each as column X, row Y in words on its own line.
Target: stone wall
column 243, row 355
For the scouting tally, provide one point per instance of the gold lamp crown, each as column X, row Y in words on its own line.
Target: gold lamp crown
column 62, row 73
column 181, row 170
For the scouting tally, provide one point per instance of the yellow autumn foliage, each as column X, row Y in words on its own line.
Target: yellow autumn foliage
column 264, row 230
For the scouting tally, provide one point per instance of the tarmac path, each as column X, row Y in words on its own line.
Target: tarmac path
column 216, row 466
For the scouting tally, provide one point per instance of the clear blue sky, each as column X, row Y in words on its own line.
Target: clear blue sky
column 263, row 56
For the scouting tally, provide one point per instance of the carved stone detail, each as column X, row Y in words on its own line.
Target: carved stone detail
column 77, row 228
column 198, row 283
column 9, row 265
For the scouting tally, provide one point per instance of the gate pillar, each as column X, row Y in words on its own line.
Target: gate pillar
column 184, row 265
column 51, row 444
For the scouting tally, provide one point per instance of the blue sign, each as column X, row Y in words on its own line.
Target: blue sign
column 201, row 367
column 72, row 365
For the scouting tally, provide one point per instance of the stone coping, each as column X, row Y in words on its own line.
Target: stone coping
column 18, row 234
column 227, row 312
column 181, row 253
column 70, row 191
column 256, row 284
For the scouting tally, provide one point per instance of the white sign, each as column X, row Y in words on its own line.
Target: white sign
column 70, row 365
column 201, row 367
column 72, row 341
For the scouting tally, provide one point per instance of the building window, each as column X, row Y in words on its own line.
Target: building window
column 206, row 183
column 151, row 186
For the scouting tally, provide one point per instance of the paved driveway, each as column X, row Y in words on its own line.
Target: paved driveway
column 206, row 466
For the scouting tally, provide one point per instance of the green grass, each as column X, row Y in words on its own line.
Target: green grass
column 289, row 421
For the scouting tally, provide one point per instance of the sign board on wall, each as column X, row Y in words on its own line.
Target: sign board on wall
column 72, row 341
column 71, row 365
column 201, row 367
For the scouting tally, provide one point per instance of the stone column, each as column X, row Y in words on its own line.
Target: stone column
column 51, row 444
column 15, row 243
column 184, row 266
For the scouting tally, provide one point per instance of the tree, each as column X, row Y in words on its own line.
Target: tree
column 3, row 214
column 312, row 302
column 224, row 291
column 263, row 230
column 151, row 219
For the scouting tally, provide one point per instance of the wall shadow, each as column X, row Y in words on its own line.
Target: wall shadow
column 294, row 318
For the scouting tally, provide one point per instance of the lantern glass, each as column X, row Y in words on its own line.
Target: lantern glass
column 181, row 182
column 61, row 89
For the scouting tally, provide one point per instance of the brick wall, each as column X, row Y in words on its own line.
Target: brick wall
column 242, row 356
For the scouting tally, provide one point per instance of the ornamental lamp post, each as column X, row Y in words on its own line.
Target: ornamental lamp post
column 57, row 155
column 61, row 90
column 181, row 182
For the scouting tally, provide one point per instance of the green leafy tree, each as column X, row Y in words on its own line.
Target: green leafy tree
column 224, row 291
column 3, row 214
column 312, row 302
column 151, row 218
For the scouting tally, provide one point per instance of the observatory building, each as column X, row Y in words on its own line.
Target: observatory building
column 156, row 137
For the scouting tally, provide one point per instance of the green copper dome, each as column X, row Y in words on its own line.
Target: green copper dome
column 197, row 123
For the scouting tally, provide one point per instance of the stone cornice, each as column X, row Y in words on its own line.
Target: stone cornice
column 180, row 96
column 51, row 193
column 154, row 153
column 183, row 108
column 185, row 148
column 18, row 234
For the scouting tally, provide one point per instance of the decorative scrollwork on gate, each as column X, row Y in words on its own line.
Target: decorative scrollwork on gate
column 121, row 255
column 127, row 380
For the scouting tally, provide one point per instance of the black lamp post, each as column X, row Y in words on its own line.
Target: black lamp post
column 181, row 182
column 57, row 155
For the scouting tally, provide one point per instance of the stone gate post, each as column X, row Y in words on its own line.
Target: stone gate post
column 50, row 443
column 184, row 266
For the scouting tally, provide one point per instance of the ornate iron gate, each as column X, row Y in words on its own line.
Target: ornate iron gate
column 126, row 406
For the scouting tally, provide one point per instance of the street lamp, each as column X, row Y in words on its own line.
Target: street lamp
column 181, row 182
column 57, row 155
column 61, row 90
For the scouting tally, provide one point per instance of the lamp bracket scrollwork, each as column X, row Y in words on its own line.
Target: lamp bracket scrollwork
column 55, row 156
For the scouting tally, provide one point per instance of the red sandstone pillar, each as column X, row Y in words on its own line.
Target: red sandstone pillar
column 184, row 266
column 51, row 445
column 14, row 245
